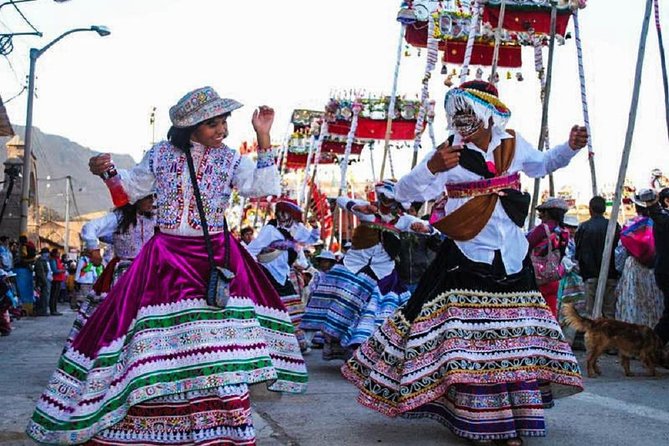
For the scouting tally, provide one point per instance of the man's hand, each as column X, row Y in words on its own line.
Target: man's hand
column 368, row 209
column 578, row 137
column 100, row 164
column 420, row 227
column 445, row 158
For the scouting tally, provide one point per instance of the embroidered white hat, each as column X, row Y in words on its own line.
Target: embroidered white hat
column 199, row 105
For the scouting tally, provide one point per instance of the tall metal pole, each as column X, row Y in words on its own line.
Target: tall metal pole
column 66, row 239
column 544, row 112
column 613, row 219
column 663, row 62
column 27, row 150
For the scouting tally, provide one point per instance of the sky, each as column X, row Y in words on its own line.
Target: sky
column 99, row 92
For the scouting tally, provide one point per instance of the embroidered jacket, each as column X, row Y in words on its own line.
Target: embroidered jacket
column 219, row 170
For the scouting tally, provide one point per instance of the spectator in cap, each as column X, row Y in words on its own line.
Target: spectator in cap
column 590, row 238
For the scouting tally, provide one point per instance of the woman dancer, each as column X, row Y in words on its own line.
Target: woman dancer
column 129, row 227
column 155, row 364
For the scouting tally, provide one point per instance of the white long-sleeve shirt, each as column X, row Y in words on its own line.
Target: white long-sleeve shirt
column 500, row 233
column 278, row 267
column 126, row 245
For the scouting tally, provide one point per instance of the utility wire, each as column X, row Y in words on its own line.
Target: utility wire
column 16, row 95
column 24, row 17
column 74, row 201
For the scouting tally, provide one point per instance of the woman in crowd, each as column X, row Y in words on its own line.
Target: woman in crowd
column 638, row 298
column 551, row 230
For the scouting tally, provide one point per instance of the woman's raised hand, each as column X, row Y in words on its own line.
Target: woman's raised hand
column 100, row 163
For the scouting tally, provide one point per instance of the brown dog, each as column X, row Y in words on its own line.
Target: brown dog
column 631, row 340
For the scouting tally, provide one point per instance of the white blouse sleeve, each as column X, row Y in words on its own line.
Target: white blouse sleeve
column 93, row 230
column 420, row 184
column 347, row 204
column 302, row 234
column 405, row 221
column 266, row 236
column 139, row 181
column 258, row 179
column 537, row 164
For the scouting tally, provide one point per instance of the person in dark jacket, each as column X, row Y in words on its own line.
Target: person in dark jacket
column 589, row 238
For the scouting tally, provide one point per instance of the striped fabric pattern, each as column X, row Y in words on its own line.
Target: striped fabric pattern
column 219, row 416
column 462, row 337
column 489, row 411
column 348, row 306
column 168, row 349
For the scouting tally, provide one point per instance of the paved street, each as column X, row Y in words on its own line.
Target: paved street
column 613, row 410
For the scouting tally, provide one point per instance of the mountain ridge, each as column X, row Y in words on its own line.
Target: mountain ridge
column 57, row 157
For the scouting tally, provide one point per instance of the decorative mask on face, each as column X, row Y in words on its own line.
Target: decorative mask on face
column 284, row 218
column 466, row 123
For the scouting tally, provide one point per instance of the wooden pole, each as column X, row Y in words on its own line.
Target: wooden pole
column 391, row 104
column 613, row 219
column 544, row 112
column 498, row 38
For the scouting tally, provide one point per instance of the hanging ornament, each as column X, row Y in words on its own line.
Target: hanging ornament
column 418, row 52
column 508, row 75
column 407, row 51
column 454, row 73
column 444, row 69
column 519, row 77
column 479, row 74
column 449, row 80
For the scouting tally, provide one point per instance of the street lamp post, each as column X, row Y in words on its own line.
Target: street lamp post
column 27, row 152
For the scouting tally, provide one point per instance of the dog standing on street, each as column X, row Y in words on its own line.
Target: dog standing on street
column 631, row 340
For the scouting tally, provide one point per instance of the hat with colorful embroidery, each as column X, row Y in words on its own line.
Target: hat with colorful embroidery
column 199, row 105
column 290, row 206
column 479, row 97
column 553, row 203
column 326, row 255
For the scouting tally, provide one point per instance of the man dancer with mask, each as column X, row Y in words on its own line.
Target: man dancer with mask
column 277, row 247
column 476, row 347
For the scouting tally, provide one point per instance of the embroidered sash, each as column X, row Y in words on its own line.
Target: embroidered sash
column 469, row 219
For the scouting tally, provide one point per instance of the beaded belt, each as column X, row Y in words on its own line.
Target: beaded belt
column 483, row 187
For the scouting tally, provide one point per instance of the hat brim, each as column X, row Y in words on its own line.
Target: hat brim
column 644, row 204
column 293, row 210
column 217, row 107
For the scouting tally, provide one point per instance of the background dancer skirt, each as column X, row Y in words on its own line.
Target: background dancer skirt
column 112, row 272
column 348, row 307
column 154, row 337
column 293, row 302
column 471, row 349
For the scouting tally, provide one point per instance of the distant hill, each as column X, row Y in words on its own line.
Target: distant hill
column 57, row 157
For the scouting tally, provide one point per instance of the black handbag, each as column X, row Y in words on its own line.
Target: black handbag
column 220, row 277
